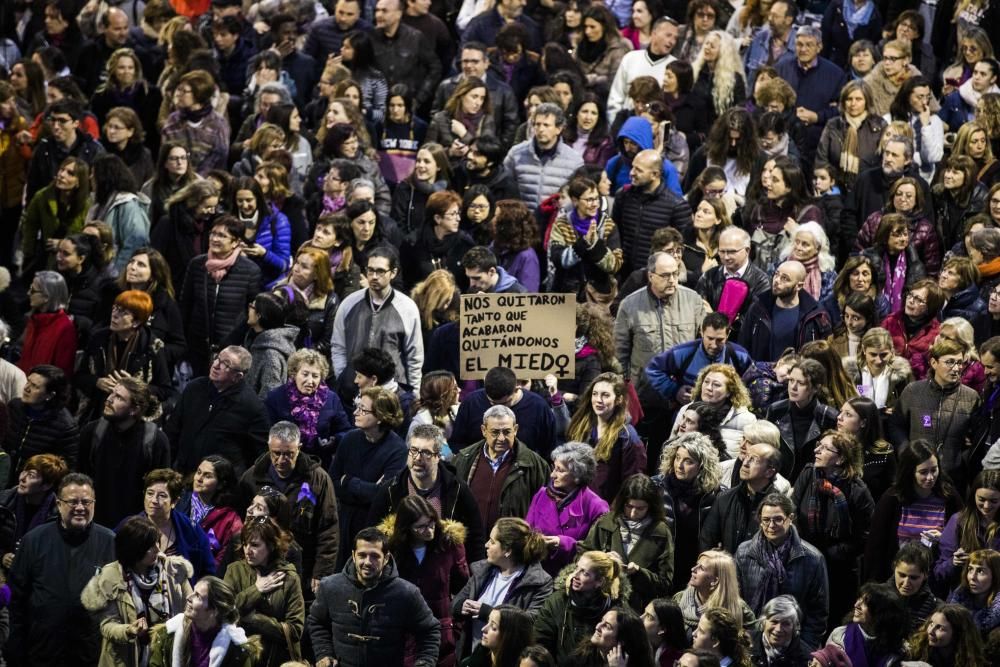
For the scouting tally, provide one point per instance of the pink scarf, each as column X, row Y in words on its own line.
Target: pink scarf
column 218, row 268
column 814, row 278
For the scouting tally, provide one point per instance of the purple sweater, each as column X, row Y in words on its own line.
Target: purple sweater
column 570, row 524
column 945, row 570
column 524, row 267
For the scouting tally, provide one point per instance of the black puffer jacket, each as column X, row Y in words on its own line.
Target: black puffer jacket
column 408, row 57
column 84, row 299
column 638, row 214
column 30, row 432
column 732, row 519
column 211, row 310
column 174, row 236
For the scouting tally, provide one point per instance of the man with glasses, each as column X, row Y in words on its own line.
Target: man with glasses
column 219, row 414
column 64, row 140
column 54, row 562
column 816, row 82
column 483, row 165
column 310, row 494
column 475, row 64
column 802, row 573
column 381, row 317
column 784, row 316
column 734, row 264
column 427, row 476
column 501, row 470
column 939, row 410
column 733, row 517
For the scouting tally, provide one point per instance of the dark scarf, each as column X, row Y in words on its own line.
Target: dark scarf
column 774, row 574
column 471, row 121
column 591, row 604
column 913, row 326
column 40, row 516
column 195, row 115
column 305, row 409
column 825, row 485
column 685, row 495
column 590, row 52
column 561, row 498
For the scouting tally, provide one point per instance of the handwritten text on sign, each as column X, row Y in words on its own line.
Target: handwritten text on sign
column 531, row 334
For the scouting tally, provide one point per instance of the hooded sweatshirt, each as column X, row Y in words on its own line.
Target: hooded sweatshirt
column 619, row 168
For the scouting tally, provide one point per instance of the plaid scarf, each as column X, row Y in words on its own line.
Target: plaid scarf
column 816, row 514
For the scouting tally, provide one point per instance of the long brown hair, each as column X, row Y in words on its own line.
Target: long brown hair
column 584, row 420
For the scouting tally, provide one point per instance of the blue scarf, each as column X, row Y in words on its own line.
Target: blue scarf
column 855, row 18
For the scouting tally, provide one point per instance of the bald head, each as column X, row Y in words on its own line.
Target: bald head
column 647, row 170
column 788, row 280
column 115, row 25
column 793, row 268
column 734, row 248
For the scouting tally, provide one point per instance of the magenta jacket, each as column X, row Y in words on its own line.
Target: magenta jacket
column 570, row 524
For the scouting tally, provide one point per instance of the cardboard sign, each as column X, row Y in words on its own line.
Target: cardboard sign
column 531, row 334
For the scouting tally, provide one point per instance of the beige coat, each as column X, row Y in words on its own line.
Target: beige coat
column 107, row 598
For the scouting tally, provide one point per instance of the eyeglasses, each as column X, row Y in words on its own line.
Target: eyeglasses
column 422, row 453
column 773, row 520
column 378, row 273
column 479, row 207
column 217, row 359
column 177, row 158
column 893, row 59
column 277, row 456
column 119, row 311
column 218, row 235
column 497, row 432
column 77, row 502
column 952, row 363
column 61, row 120
column 916, row 299
column 970, row 48
column 590, row 200
column 362, row 410
column 667, row 275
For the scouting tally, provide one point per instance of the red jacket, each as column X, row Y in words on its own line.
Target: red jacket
column 221, row 524
column 911, row 348
column 50, row 338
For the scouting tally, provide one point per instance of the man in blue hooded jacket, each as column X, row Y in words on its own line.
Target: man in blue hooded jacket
column 637, row 135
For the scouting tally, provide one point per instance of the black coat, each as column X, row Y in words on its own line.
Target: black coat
column 47, row 431
column 174, row 236
column 796, row 655
column 795, row 455
column 638, row 214
column 710, row 286
column 211, row 310
column 423, row 252
column 732, row 519
column 232, row 423
column 755, row 334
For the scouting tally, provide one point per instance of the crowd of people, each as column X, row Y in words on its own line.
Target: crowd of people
column 234, row 240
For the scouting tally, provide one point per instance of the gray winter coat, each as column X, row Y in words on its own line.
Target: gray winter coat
column 270, row 351
column 536, row 179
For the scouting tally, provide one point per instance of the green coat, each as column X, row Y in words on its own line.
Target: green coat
column 41, row 222
column 265, row 615
column 108, row 600
column 653, row 553
column 240, row 651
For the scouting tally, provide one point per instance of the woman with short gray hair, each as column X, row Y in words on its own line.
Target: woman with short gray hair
column 50, row 337
column 777, row 643
column 564, row 509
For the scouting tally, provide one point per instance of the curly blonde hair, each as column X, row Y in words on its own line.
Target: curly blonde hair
column 739, row 397
column 700, row 448
column 728, row 66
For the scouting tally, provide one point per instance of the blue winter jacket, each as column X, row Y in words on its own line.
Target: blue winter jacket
column 666, row 371
column 274, row 233
column 619, row 170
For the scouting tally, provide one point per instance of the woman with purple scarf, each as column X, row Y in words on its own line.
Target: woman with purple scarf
column 895, row 261
column 306, row 401
column 584, row 243
column 874, row 636
column 29, row 504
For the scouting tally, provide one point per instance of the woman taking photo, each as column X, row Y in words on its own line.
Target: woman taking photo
column 920, row 489
column 850, row 142
column 619, row 639
column 431, row 173
column 367, row 455
column 183, row 232
column 585, row 243
column 914, row 327
column 510, row 575
column 268, row 592
column 507, row 631
column 564, row 509
column 178, row 535
column 602, row 422
column 602, row 48
column 589, row 136
column 467, row 114
column 877, row 627
column 720, row 386
column 39, row 423
column 834, row 511
column 142, row 588
column 429, row 553
column 49, row 337
column 267, row 240
column 948, row 637
column 636, row 531
column 126, row 348
column 217, row 289
column 713, row 585
column 860, row 418
column 438, row 243
column 54, row 212
column 912, row 105
column 967, row 531
column 958, row 197
column 689, row 484
column 209, row 617
column 906, row 197
column 124, row 137
column 172, row 172
column 211, row 503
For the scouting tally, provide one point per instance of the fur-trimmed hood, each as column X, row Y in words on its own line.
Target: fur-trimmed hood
column 561, row 583
column 109, row 582
column 453, row 534
column 899, row 370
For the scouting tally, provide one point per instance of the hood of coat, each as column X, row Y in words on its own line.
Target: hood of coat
column 280, row 339
column 389, row 572
column 453, row 532
column 638, row 130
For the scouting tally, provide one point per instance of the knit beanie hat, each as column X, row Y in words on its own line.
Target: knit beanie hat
column 832, row 656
